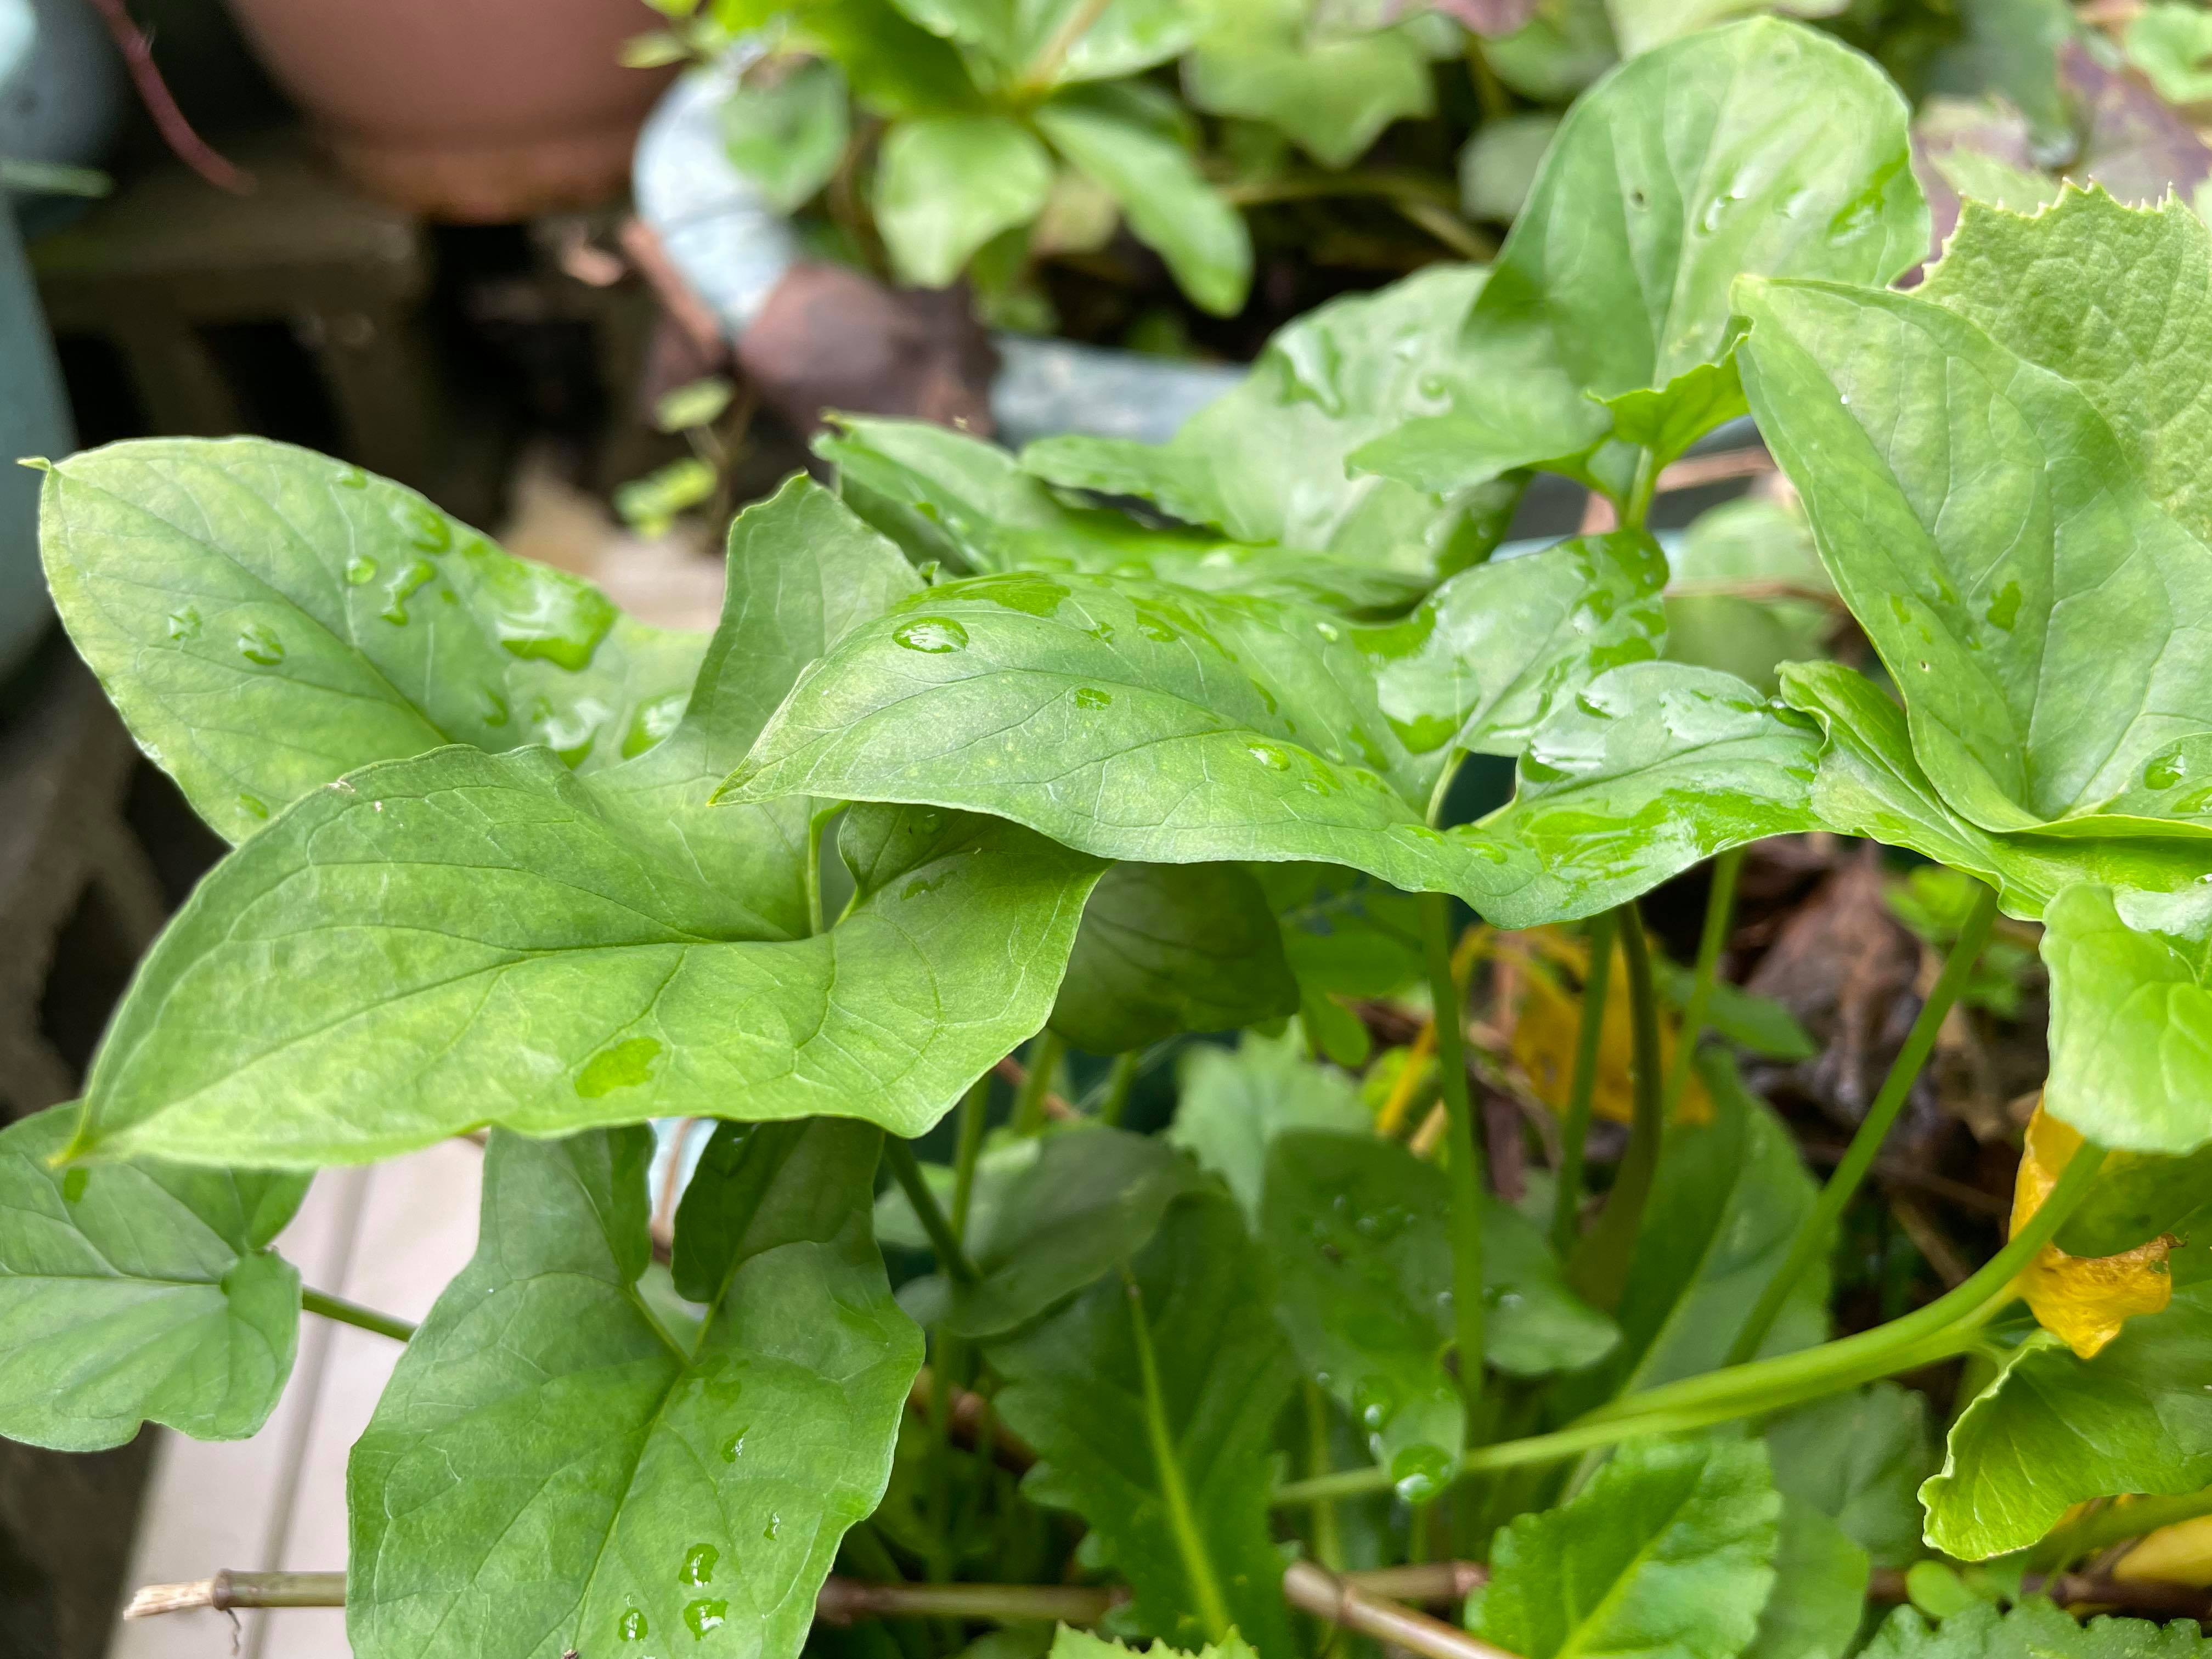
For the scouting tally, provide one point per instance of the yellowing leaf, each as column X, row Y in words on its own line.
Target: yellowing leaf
column 2082, row 1300
column 1548, row 1022
column 2179, row 1555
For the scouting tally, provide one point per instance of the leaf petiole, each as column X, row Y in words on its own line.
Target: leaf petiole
column 1600, row 1266
column 1574, row 1135
column 352, row 1313
column 908, row 1173
column 1720, row 913
column 1465, row 1154
column 1843, row 1184
column 1183, row 1521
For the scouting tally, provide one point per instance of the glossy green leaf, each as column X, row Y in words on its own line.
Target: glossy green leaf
column 1651, row 769
column 1757, row 147
column 2033, row 1626
column 267, row 619
column 947, row 186
column 1143, row 722
column 1354, row 1227
column 138, row 1294
column 1235, row 1102
column 1331, row 91
column 1497, row 165
column 548, row 1470
column 1859, row 1459
column 1668, row 1551
column 1757, row 1024
column 2015, row 515
column 1170, row 206
column 1168, row 948
column 2053, row 1429
column 2130, row 1026
column 1265, row 463
column 786, row 135
column 1819, row 1599
column 1092, row 1198
column 1871, row 784
column 471, row 939
column 1729, row 1197
column 1151, row 1405
column 942, row 494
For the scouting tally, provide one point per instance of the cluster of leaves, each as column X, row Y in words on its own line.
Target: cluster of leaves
column 984, row 137
column 505, row 860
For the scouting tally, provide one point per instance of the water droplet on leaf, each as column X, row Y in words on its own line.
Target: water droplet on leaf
column 256, row 644
column 623, row 1065
column 704, row 1616
column 698, row 1567
column 360, row 570
column 935, row 635
column 184, row 624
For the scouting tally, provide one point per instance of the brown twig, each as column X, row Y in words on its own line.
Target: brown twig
column 683, row 306
column 970, row 1410
column 1934, row 1247
column 1359, row 1601
column 136, row 47
column 227, row 1590
column 1898, row 1173
column 1343, row 1602
column 1694, row 472
column 2154, row 1597
column 1054, row 1106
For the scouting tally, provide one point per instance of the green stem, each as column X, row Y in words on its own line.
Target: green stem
column 1814, row 1231
column 1636, row 511
column 1043, row 1060
column 814, row 828
column 1567, row 1199
column 1600, row 1268
column 352, row 1313
column 1327, row 1541
column 908, row 1173
column 974, row 1111
column 1947, row 1325
column 2116, row 1523
column 1183, row 1521
column 1720, row 916
column 1465, row 1152
column 1119, row 1082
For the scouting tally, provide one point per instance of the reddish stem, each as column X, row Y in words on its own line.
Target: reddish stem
column 137, row 49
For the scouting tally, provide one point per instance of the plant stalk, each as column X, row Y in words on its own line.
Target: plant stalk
column 1945, row 1327
column 967, row 1149
column 1328, row 1540
column 1843, row 1184
column 1119, row 1082
column 1313, row 1589
column 1211, row 1607
column 899, row 1151
column 1465, row 1151
column 1043, row 1060
column 352, row 1313
column 1720, row 916
column 1567, row 1198
column 1599, row 1269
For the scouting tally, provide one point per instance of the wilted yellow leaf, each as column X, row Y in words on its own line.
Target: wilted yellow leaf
column 1547, row 1024
column 2179, row 1555
column 2084, row 1300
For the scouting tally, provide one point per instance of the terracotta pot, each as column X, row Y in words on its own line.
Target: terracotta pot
column 480, row 110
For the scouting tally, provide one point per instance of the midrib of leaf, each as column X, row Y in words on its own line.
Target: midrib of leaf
column 1190, row 1544
column 1610, row 1601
